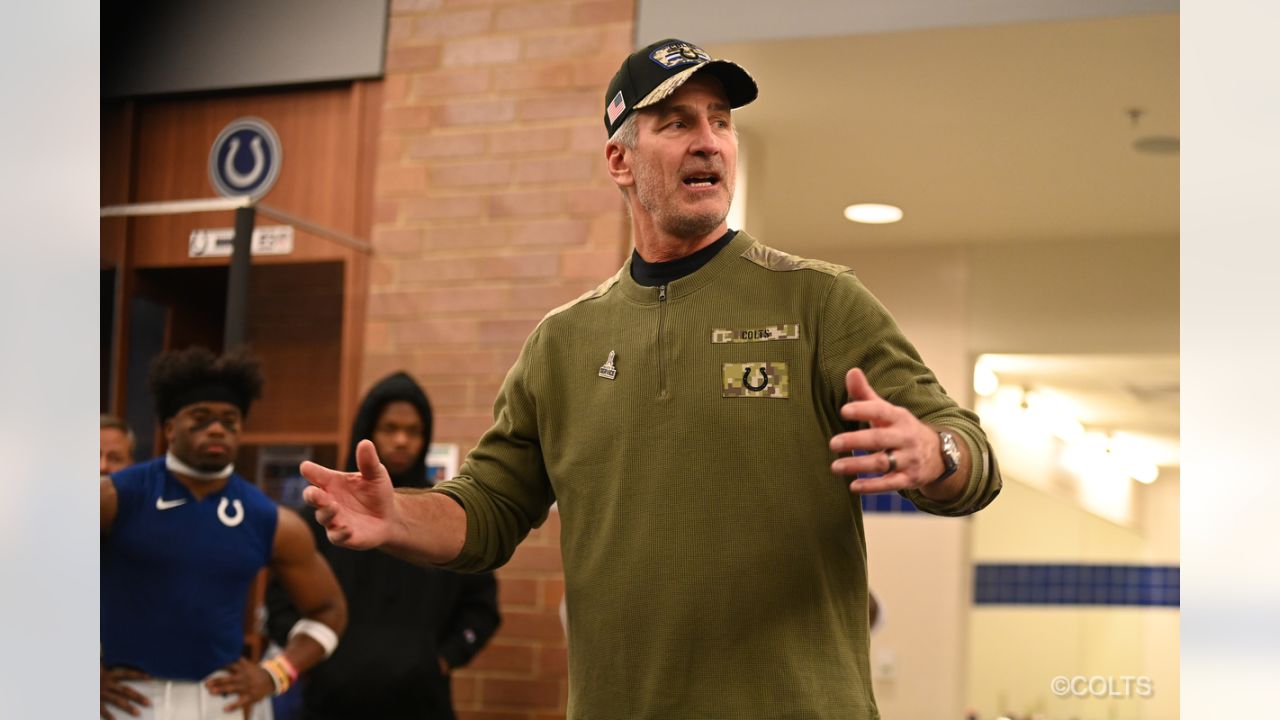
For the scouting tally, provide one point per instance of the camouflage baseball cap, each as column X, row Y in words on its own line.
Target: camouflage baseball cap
column 652, row 73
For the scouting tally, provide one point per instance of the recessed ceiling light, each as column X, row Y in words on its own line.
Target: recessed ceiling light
column 873, row 213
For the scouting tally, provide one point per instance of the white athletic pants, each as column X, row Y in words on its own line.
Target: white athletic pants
column 183, row 700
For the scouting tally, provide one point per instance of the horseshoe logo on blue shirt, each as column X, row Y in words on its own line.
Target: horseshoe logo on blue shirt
column 746, row 380
column 231, row 520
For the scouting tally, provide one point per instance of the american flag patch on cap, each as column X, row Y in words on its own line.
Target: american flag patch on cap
column 616, row 106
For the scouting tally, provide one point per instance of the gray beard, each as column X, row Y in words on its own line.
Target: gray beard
column 682, row 225
column 678, row 225
column 691, row 226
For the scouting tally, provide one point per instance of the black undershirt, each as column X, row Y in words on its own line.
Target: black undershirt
column 655, row 274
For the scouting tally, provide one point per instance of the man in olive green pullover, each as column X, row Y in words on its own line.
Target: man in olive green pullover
column 694, row 417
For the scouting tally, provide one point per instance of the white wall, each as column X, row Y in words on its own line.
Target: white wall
column 954, row 304
column 919, row 570
column 1159, row 505
column 1015, row 651
column 927, row 291
column 1119, row 296
column 919, row 564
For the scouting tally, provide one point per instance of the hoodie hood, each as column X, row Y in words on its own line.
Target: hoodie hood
column 397, row 386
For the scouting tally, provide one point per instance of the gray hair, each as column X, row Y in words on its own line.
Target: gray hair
column 627, row 132
column 111, row 421
column 626, row 135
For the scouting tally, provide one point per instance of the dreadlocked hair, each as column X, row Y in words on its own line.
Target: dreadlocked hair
column 180, row 377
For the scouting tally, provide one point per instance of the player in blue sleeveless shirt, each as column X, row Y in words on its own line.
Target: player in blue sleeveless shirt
column 183, row 537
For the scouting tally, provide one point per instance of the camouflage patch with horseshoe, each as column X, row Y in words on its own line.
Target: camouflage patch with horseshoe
column 755, row 379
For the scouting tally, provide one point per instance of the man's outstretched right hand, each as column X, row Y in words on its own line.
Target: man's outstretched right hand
column 357, row 510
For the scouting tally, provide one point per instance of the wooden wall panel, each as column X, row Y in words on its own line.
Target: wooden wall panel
column 195, row 298
column 115, row 186
column 296, row 328
column 116, row 148
column 321, row 140
column 306, row 317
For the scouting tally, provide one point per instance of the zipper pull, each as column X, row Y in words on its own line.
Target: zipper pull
column 662, row 293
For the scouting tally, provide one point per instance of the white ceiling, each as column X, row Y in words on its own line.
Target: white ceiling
column 704, row 22
column 1009, row 133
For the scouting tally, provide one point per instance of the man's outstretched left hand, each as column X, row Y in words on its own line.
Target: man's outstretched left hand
column 904, row 452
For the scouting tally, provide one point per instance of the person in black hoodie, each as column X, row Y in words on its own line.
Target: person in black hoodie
column 408, row 626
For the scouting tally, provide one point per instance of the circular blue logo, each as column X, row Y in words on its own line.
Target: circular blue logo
column 245, row 159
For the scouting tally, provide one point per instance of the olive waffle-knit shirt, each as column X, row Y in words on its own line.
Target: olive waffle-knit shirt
column 714, row 566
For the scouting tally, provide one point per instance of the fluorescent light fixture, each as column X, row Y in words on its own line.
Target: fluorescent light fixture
column 1066, row 428
column 1134, row 456
column 1054, row 415
column 873, row 213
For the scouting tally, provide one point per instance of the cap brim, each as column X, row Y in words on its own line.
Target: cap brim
column 738, row 84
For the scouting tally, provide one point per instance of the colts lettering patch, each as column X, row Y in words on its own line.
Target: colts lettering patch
column 772, row 332
column 756, row 379
column 678, row 53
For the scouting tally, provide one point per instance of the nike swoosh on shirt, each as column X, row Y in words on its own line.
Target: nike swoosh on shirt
column 162, row 504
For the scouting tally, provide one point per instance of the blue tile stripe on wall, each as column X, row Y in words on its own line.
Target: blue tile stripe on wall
column 887, row 503
column 890, row 502
column 1076, row 584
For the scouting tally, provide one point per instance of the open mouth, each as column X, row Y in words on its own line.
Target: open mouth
column 702, row 180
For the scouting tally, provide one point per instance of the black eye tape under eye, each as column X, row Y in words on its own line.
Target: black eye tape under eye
column 200, row 423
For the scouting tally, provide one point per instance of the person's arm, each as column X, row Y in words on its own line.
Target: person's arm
column 108, row 502
column 474, row 620
column 111, row 688
column 878, row 381
column 470, row 523
column 314, row 591
column 282, row 616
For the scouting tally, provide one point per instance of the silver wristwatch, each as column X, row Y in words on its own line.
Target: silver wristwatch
column 950, row 455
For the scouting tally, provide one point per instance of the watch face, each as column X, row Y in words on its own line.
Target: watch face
column 949, row 447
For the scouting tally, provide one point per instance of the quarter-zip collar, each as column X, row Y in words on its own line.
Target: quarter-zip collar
column 676, row 289
column 661, row 273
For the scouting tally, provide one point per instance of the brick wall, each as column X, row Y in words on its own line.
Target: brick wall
column 492, row 206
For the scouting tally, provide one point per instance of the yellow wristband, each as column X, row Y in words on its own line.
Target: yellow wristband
column 279, row 675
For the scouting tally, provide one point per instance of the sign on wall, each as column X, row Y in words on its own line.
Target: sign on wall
column 216, row 242
column 442, row 462
column 245, row 158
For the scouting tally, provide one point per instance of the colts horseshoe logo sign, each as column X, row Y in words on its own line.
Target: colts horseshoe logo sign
column 245, row 158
